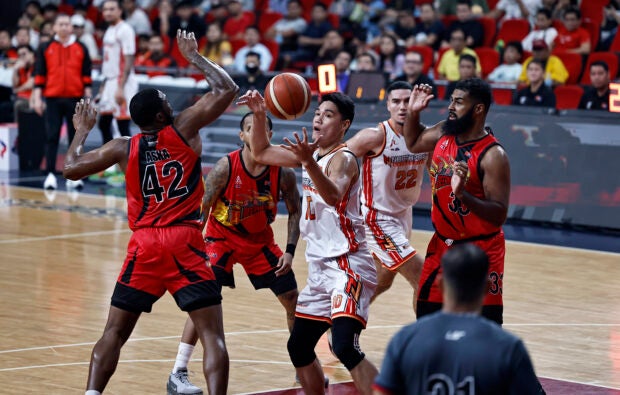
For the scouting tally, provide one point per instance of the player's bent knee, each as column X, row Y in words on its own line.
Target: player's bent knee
column 300, row 352
column 345, row 342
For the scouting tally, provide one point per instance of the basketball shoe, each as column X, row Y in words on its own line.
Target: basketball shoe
column 179, row 384
column 50, row 182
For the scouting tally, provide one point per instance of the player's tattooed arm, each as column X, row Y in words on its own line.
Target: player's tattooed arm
column 290, row 195
column 216, row 183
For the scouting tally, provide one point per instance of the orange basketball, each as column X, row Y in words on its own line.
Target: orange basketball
column 288, row 96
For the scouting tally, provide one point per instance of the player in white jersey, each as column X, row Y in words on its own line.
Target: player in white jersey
column 391, row 184
column 120, row 84
column 341, row 272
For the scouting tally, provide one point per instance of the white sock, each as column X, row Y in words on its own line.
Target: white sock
column 183, row 356
column 92, row 392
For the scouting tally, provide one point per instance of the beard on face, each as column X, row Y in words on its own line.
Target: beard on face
column 460, row 125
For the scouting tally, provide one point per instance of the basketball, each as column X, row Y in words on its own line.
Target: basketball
column 288, row 96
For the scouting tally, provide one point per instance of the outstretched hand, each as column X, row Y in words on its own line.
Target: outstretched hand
column 85, row 116
column 302, row 148
column 421, row 95
column 187, row 43
column 254, row 100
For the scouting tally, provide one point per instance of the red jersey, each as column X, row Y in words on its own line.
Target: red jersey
column 249, row 204
column 451, row 218
column 163, row 181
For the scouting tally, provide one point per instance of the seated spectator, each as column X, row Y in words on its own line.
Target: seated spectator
column 332, row 45
column 237, row 21
column 310, row 41
column 155, row 61
column 391, row 58
column 474, row 32
column 467, row 70
column 430, row 30
column 510, row 70
column 142, row 46
column 35, row 13
column 21, row 37
column 8, row 54
column 365, row 62
column 343, row 70
column 252, row 39
column 514, row 9
column 571, row 36
column 412, row 71
column 448, row 68
column 536, row 94
column 286, row 31
column 555, row 71
column 50, row 12
column 183, row 17
column 78, row 23
column 596, row 96
column 543, row 30
column 449, row 7
column 252, row 76
column 558, row 7
column 217, row 48
column 23, row 79
column 609, row 27
column 136, row 17
column 24, row 22
column 403, row 29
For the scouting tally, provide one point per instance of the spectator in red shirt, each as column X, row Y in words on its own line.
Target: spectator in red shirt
column 237, row 22
column 155, row 61
column 23, row 80
column 571, row 36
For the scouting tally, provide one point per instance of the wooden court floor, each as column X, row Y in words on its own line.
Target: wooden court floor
column 59, row 261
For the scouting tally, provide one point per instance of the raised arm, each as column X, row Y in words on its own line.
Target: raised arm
column 332, row 184
column 262, row 150
column 496, row 184
column 366, row 141
column 418, row 137
column 79, row 164
column 210, row 106
column 290, row 195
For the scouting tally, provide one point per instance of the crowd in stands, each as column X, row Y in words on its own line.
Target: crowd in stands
column 531, row 47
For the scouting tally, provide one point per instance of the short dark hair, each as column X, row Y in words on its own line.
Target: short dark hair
column 469, row 3
column 369, row 55
column 50, row 7
column 252, row 53
column 247, row 114
column 398, row 85
column 516, row 45
column 465, row 272
column 27, row 46
column 34, row 3
column 545, row 11
column 145, row 105
column 600, row 63
column 572, row 10
column 469, row 58
column 345, row 104
column 477, row 89
column 538, row 62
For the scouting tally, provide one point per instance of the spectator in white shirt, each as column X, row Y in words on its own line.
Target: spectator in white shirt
column 543, row 30
column 252, row 38
column 136, row 17
column 510, row 70
column 79, row 24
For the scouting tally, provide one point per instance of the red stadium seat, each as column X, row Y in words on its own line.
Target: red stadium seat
column 489, row 26
column 427, row 55
column 592, row 11
column 489, row 60
column 573, row 63
column 568, row 96
column 608, row 57
column 513, row 30
column 594, row 30
column 267, row 20
column 615, row 44
column 502, row 96
column 236, row 44
column 274, row 48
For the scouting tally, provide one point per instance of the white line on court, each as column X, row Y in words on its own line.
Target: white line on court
column 66, row 236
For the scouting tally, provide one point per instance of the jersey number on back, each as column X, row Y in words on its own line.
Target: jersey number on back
column 440, row 384
column 151, row 185
column 406, row 179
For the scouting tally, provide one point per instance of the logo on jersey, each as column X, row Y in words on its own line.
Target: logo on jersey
column 404, row 160
column 443, row 145
column 457, row 206
column 441, row 174
column 248, row 206
column 238, row 182
column 454, row 335
column 3, row 149
column 393, row 146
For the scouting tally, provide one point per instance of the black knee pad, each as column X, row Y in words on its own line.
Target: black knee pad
column 306, row 333
column 345, row 341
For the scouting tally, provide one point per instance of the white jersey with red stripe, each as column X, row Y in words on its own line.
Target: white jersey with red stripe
column 392, row 178
column 331, row 231
column 119, row 41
